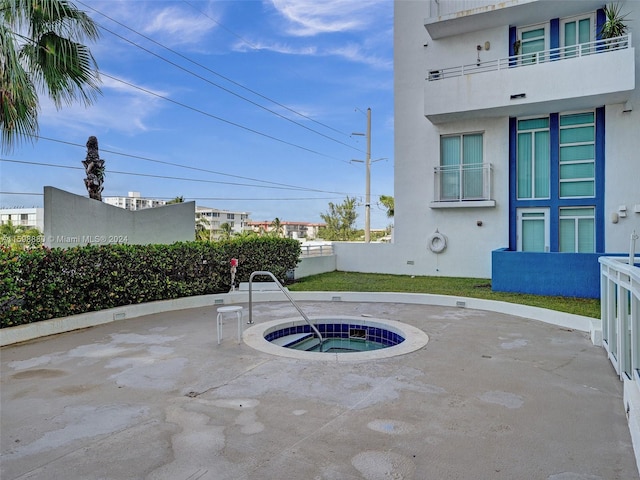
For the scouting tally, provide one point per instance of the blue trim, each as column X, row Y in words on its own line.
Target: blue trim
column 513, row 37
column 600, row 180
column 554, row 37
column 600, row 19
column 513, row 179
column 554, row 181
column 554, row 203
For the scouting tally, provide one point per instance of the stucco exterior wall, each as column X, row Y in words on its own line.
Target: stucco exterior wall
column 73, row 220
column 622, row 169
column 417, row 138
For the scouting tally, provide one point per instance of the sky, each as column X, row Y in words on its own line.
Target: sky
column 243, row 105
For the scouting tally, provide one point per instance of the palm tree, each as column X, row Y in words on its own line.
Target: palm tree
column 388, row 203
column 203, row 229
column 276, row 227
column 17, row 236
column 41, row 49
column 225, row 231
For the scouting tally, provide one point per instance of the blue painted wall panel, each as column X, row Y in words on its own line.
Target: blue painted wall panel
column 556, row 274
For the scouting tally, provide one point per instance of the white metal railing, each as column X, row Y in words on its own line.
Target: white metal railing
column 316, row 250
column 459, row 183
column 534, row 58
column 439, row 8
column 289, row 297
column 620, row 312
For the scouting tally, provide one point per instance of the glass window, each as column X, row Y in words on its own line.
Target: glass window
column 577, row 230
column 461, row 169
column 577, row 155
column 533, row 229
column 576, row 33
column 533, row 158
column 533, row 41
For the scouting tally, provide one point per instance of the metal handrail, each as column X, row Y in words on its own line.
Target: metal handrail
column 535, row 58
column 281, row 287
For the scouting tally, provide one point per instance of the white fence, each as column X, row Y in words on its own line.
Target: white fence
column 620, row 304
column 316, row 250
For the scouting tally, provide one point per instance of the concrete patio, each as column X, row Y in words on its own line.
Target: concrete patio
column 491, row 396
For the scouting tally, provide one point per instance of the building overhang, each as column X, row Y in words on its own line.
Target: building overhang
column 571, row 84
column 496, row 14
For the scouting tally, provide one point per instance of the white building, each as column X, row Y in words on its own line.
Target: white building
column 297, row 230
column 23, row 217
column 212, row 219
column 133, row 202
column 517, row 139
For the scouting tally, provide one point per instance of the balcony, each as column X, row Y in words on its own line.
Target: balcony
column 561, row 79
column 461, row 186
column 448, row 18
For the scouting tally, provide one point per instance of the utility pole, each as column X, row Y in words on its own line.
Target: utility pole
column 367, row 200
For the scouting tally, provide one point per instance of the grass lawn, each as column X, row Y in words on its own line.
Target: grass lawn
column 462, row 287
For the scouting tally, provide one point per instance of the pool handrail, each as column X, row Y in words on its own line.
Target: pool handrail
column 286, row 293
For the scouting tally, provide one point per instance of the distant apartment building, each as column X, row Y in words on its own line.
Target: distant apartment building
column 134, row 202
column 212, row 219
column 297, row 230
column 23, row 217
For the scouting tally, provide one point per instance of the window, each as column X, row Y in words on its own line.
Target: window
column 533, row 158
column 575, row 32
column 577, row 230
column 533, row 229
column 533, row 41
column 577, row 155
column 461, row 169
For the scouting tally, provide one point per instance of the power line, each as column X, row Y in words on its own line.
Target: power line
column 219, row 75
column 269, row 199
column 244, row 40
column 215, row 117
column 149, row 175
column 139, row 157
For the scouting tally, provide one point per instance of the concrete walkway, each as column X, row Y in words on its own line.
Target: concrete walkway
column 490, row 396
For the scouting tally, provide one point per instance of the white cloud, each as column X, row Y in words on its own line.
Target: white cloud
column 177, row 26
column 121, row 108
column 312, row 17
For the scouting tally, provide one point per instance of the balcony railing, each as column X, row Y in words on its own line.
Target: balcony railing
column 316, row 250
column 461, row 183
column 534, row 58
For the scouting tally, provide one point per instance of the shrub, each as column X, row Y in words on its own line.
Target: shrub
column 48, row 283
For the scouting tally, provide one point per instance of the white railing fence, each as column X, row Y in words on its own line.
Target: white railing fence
column 534, row 58
column 457, row 183
column 620, row 312
column 316, row 250
column 620, row 305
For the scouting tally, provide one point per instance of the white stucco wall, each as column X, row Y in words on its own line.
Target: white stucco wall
column 622, row 171
column 72, row 220
column 417, row 140
column 417, row 153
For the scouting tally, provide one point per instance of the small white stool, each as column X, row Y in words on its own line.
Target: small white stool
column 230, row 309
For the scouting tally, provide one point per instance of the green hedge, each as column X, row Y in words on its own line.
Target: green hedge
column 47, row 283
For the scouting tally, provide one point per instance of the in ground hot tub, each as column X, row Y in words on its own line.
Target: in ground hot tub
column 344, row 337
